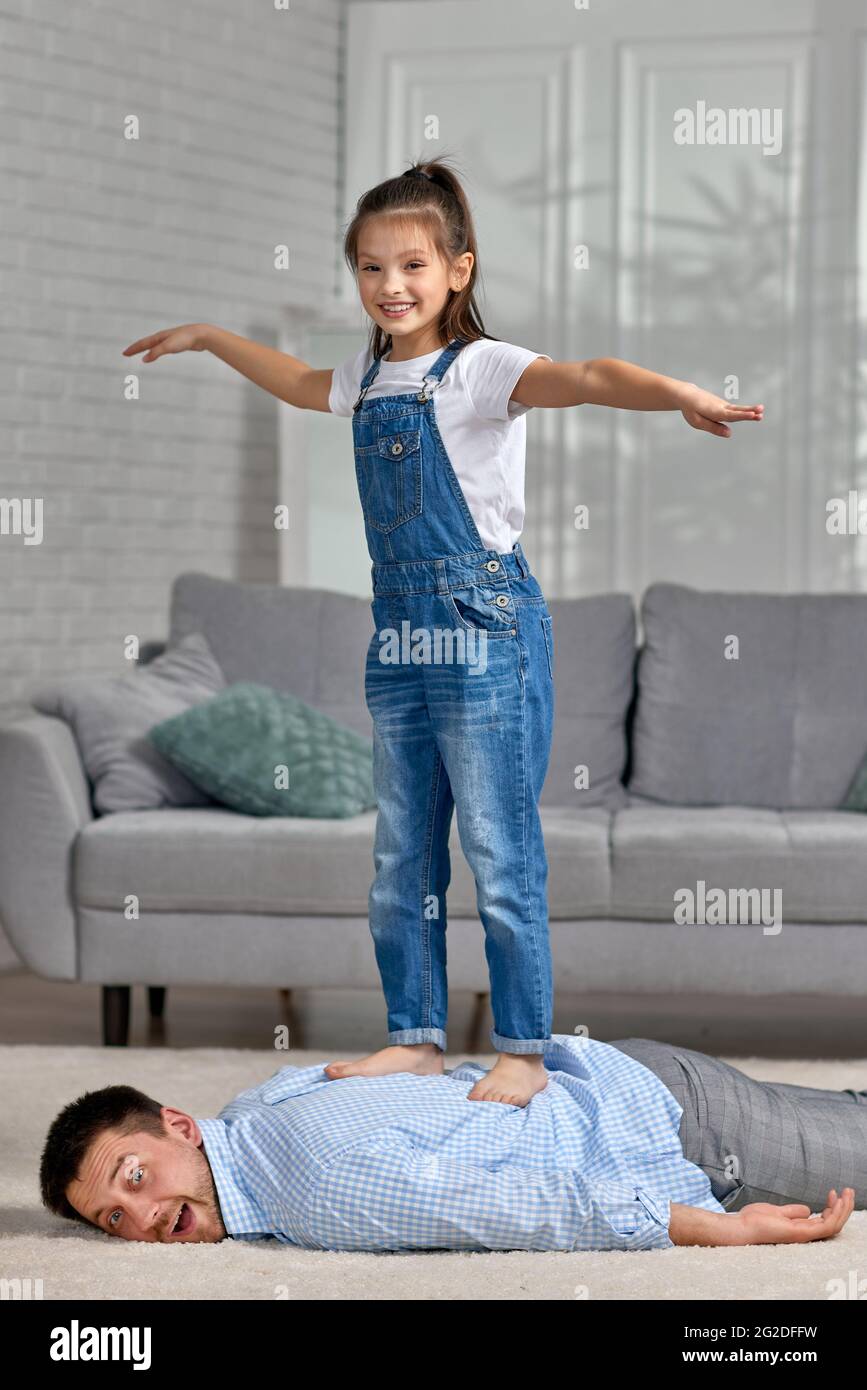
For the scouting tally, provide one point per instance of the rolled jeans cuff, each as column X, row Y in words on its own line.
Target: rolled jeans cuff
column 407, row 1036
column 518, row 1044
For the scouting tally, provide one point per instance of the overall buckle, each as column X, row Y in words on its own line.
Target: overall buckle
column 425, row 394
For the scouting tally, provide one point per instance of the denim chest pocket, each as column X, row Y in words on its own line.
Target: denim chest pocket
column 390, row 479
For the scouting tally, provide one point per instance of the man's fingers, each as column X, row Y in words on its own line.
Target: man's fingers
column 831, row 1220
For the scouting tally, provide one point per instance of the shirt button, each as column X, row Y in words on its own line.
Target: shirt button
column 502, row 600
column 492, row 565
column 397, row 448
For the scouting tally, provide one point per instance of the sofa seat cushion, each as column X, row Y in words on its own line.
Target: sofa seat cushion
column 579, row 861
column 817, row 859
column 217, row 860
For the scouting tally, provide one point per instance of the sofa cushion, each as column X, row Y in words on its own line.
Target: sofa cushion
column 594, row 663
column 216, row 860
column 817, row 859
column 266, row 753
column 110, row 717
column 313, row 642
column 310, row 642
column 784, row 725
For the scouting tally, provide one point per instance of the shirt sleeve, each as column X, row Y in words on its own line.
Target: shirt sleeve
column 401, row 1198
column 491, row 376
column 346, row 383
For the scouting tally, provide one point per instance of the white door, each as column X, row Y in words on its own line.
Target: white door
column 713, row 263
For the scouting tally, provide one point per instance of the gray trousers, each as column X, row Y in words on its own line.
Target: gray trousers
column 761, row 1141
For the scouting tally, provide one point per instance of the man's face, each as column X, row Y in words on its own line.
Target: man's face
column 141, row 1186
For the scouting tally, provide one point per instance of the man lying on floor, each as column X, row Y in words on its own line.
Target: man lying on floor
column 630, row 1145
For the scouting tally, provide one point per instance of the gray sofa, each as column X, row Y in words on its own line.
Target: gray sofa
column 702, row 768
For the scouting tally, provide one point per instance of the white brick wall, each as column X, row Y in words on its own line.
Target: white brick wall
column 103, row 240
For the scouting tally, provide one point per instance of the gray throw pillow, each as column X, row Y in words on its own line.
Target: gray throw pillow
column 111, row 715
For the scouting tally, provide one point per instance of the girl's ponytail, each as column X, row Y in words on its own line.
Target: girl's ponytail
column 428, row 195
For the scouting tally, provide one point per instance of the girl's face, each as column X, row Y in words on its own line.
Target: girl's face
column 401, row 269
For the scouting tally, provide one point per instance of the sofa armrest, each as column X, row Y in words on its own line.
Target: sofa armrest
column 45, row 803
column 148, row 650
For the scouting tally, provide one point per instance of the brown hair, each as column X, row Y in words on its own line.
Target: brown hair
column 438, row 206
column 120, row 1108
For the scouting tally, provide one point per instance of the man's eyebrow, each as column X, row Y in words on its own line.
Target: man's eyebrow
column 97, row 1220
column 413, row 251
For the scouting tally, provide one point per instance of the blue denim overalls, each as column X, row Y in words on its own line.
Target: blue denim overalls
column 472, row 733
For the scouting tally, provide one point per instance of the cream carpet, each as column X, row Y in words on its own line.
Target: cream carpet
column 78, row 1263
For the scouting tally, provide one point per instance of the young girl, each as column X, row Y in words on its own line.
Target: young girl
column 437, row 409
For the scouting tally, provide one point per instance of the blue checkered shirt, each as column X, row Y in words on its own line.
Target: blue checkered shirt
column 404, row 1162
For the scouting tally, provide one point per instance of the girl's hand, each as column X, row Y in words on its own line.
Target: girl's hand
column 761, row 1223
column 190, row 337
column 705, row 411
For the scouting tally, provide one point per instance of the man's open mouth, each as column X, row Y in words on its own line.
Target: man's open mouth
column 184, row 1222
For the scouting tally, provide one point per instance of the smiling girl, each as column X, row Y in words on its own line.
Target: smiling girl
column 437, row 408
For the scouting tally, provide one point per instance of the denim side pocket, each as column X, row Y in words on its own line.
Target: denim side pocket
column 479, row 611
column 548, row 629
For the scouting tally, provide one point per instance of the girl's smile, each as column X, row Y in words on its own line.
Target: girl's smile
column 398, row 309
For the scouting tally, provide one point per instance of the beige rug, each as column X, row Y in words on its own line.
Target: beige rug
column 78, row 1263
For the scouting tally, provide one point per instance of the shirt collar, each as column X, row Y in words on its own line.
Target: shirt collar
column 241, row 1216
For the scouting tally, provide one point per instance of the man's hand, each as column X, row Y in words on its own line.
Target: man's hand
column 761, row 1223
column 705, row 411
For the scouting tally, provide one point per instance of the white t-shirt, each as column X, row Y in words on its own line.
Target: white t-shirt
column 484, row 433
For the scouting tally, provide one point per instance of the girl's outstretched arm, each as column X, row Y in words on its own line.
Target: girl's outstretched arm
column 610, row 381
column 287, row 378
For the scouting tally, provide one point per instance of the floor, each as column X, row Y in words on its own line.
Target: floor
column 81, row 1263
column 214, row 1042
column 332, row 1022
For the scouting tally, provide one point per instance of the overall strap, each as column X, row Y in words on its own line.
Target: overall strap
column 436, row 373
column 445, row 359
column 366, row 380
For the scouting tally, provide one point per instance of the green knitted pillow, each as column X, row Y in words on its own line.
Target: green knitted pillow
column 269, row 754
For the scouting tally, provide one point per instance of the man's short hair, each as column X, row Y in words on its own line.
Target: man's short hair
column 120, row 1108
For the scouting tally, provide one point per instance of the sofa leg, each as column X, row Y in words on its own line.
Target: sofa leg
column 290, row 1018
column 115, row 1015
column 156, row 1000
column 474, row 1032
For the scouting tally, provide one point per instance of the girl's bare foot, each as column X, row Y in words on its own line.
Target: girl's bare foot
column 425, row 1059
column 514, row 1079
